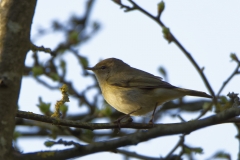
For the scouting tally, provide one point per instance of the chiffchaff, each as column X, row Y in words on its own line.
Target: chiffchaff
column 133, row 91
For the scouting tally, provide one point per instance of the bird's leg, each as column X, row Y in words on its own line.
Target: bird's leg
column 152, row 117
column 124, row 116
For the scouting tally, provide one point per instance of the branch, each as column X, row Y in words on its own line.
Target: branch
column 134, row 139
column 85, row 125
column 94, row 126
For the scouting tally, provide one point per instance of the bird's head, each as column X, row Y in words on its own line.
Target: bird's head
column 108, row 67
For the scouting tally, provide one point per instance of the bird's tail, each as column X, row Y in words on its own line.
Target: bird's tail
column 190, row 92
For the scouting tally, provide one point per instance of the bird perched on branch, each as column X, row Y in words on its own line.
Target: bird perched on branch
column 133, row 91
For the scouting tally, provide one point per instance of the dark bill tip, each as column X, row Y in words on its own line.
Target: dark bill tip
column 90, row 68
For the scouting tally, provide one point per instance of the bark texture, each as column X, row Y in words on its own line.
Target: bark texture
column 15, row 25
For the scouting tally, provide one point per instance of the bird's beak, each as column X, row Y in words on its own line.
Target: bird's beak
column 90, row 68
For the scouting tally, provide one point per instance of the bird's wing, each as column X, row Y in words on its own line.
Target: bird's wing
column 139, row 79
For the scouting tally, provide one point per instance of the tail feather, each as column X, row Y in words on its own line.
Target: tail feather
column 190, row 92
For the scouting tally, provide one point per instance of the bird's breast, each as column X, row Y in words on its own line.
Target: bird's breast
column 127, row 100
column 114, row 96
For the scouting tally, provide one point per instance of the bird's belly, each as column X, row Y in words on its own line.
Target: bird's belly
column 128, row 100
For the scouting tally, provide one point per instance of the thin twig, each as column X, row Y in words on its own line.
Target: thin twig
column 180, row 142
column 135, row 155
column 228, row 80
column 35, row 48
column 157, row 19
column 204, row 111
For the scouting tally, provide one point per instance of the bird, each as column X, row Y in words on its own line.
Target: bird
column 135, row 92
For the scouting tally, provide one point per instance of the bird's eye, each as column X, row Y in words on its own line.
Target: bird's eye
column 102, row 67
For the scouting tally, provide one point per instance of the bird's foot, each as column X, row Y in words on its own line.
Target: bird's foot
column 118, row 121
column 151, row 122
